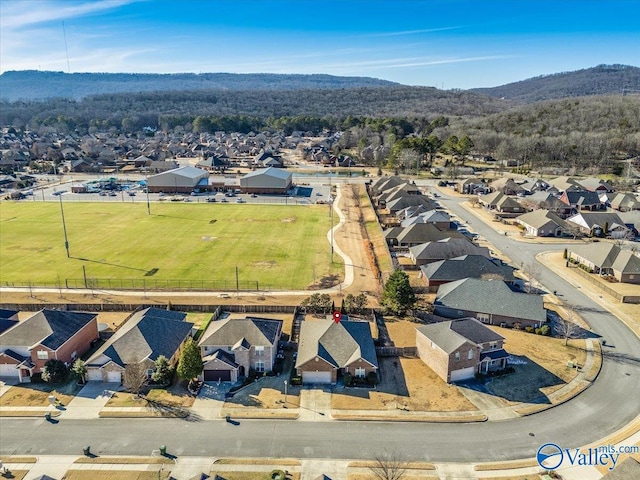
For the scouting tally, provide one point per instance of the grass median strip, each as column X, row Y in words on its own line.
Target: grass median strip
column 487, row 467
column 28, row 413
column 284, row 462
column 16, row 459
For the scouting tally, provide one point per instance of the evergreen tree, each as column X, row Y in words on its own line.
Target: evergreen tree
column 79, row 369
column 190, row 363
column 162, row 372
column 398, row 296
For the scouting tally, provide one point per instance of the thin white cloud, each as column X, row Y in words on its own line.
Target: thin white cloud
column 412, row 32
column 16, row 15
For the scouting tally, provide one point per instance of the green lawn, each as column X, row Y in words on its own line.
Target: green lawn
column 277, row 246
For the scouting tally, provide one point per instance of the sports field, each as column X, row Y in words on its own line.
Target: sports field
column 179, row 245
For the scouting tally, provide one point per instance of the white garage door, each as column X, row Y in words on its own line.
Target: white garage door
column 316, row 377
column 8, row 370
column 95, row 375
column 463, row 374
column 114, row 377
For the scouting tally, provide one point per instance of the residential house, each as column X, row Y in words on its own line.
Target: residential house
column 466, row 266
column 596, row 185
column 457, row 350
column 625, row 202
column 417, row 234
column 490, row 301
column 146, row 335
column 444, row 249
column 234, row 346
column 599, row 224
column 328, row 349
column 394, row 206
column 543, row 200
column 580, row 200
column 472, row 186
column 608, row 259
column 439, row 218
column 563, row 184
column 47, row 335
column 500, row 202
column 542, row 223
column 507, row 186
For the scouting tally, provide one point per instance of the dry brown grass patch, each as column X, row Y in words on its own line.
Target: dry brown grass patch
column 125, row 460
column 115, row 475
column 485, row 467
column 28, row 413
column 284, row 462
column 17, row 459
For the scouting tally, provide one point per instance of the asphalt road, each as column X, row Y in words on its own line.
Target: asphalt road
column 610, row 403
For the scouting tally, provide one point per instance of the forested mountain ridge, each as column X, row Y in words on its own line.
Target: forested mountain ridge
column 41, row 85
column 599, row 80
column 149, row 109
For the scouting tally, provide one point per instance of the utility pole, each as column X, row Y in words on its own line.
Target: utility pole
column 237, row 283
column 64, row 227
column 146, row 188
column 331, row 215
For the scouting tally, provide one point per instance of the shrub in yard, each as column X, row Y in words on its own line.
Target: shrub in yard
column 347, row 379
column 54, row 371
column 545, row 330
column 538, row 331
column 296, row 380
column 529, row 329
column 372, row 379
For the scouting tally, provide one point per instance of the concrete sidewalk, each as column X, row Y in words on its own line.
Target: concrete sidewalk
column 90, row 400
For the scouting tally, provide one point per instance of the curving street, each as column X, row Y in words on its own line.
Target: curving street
column 609, row 404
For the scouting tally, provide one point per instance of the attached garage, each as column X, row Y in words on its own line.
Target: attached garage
column 114, row 377
column 217, row 375
column 94, row 374
column 8, row 370
column 462, row 374
column 316, row 377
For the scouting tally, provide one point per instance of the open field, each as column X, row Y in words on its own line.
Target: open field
column 282, row 247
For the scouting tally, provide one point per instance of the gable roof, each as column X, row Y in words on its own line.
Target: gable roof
column 582, row 197
column 50, row 328
column 424, row 232
column 451, row 335
column 410, row 201
column 465, row 266
column 221, row 356
column 447, row 248
column 242, row 331
column 599, row 219
column 539, row 218
column 338, row 343
column 147, row 334
column 609, row 255
column 269, row 172
column 492, row 297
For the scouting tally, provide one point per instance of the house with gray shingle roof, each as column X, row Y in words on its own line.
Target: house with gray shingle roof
column 444, row 249
column 459, row 349
column 489, row 301
column 599, row 224
column 233, row 346
column 542, row 223
column 625, row 202
column 48, row 334
column 400, row 203
column 145, row 335
column 328, row 349
column 466, row 266
column 608, row 259
column 439, row 218
column 501, row 203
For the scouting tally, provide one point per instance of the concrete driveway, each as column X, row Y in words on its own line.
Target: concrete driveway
column 210, row 399
column 315, row 404
column 90, row 400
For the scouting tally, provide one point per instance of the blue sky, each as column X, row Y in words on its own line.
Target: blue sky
column 443, row 43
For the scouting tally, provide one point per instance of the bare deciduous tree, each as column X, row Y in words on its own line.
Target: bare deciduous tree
column 389, row 465
column 532, row 272
column 134, row 377
column 566, row 327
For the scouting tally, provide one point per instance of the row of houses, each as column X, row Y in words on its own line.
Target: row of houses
column 231, row 347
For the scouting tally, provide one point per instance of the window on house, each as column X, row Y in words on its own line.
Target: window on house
column 259, row 351
column 470, row 354
column 74, row 355
column 483, row 317
column 493, row 345
column 149, row 372
column 260, row 366
column 457, row 356
column 360, row 372
column 43, row 355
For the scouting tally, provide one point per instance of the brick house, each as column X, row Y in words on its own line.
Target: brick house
column 232, row 347
column 145, row 336
column 458, row 349
column 49, row 334
column 328, row 349
column 491, row 302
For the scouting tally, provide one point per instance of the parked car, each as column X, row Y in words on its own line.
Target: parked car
column 253, row 195
column 224, row 200
column 132, row 194
column 103, row 194
column 113, row 194
column 211, row 200
column 240, row 200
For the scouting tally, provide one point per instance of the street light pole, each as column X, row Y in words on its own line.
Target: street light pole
column 285, row 394
column 146, row 188
column 64, row 227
